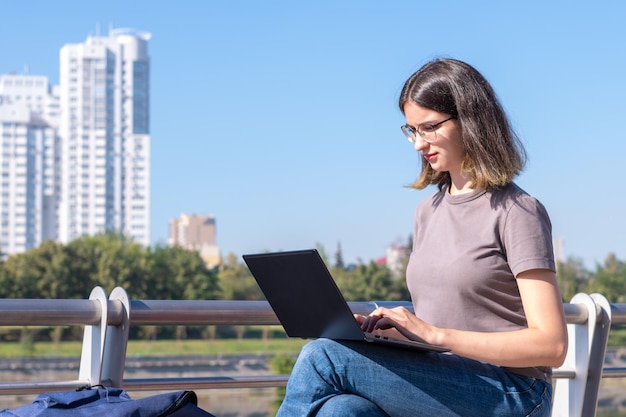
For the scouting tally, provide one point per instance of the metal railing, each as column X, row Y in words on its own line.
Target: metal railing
column 107, row 321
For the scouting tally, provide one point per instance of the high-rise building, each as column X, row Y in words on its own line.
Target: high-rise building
column 196, row 232
column 75, row 158
column 105, row 131
column 29, row 113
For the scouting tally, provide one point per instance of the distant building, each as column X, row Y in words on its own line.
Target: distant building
column 196, row 232
column 559, row 250
column 105, row 126
column 29, row 141
column 396, row 260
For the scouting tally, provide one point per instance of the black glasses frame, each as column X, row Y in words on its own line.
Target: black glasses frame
column 423, row 131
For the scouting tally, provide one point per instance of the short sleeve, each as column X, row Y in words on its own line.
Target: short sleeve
column 528, row 236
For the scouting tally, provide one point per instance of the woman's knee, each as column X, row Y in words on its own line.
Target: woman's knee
column 349, row 405
column 324, row 357
column 320, row 350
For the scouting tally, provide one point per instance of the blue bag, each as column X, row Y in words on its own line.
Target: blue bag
column 109, row 402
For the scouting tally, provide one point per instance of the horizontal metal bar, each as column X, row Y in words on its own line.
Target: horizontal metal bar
column 618, row 313
column 39, row 387
column 150, row 384
column 575, row 313
column 200, row 312
column 70, row 312
column 614, row 372
column 564, row 373
column 42, row 312
column 204, row 312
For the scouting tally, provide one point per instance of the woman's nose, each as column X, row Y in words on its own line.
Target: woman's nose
column 420, row 144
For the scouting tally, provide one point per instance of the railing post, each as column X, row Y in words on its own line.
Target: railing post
column 93, row 342
column 596, row 354
column 569, row 393
column 114, row 359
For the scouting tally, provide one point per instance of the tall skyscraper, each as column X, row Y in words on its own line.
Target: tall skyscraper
column 29, row 113
column 105, row 131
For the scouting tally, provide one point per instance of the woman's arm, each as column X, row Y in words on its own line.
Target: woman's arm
column 542, row 343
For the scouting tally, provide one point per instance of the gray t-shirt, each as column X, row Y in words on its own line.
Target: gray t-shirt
column 467, row 251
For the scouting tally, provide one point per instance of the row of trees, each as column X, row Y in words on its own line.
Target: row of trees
column 608, row 279
column 54, row 270
column 59, row 271
column 109, row 260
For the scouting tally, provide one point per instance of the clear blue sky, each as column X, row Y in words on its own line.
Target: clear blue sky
column 280, row 117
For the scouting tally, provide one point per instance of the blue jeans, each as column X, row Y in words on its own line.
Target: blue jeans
column 340, row 378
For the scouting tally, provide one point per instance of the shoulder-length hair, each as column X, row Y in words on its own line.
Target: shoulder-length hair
column 494, row 155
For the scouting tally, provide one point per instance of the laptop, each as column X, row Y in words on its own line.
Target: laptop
column 308, row 303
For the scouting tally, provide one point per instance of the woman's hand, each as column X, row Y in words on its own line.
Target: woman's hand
column 542, row 343
column 400, row 319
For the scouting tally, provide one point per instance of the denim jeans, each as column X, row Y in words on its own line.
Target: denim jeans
column 340, row 378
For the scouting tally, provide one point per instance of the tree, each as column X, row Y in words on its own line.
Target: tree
column 38, row 273
column 572, row 277
column 121, row 263
column 610, row 279
column 236, row 281
column 83, row 257
column 180, row 274
column 368, row 282
column 339, row 264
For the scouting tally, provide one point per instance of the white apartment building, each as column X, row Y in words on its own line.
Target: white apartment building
column 29, row 112
column 105, row 131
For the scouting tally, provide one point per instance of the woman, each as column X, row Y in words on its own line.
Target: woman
column 481, row 276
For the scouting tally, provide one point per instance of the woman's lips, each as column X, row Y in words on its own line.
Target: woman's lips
column 430, row 156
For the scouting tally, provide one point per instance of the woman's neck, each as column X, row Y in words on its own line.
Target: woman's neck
column 460, row 185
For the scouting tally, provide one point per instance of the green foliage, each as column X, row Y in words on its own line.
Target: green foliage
column 27, row 342
column 110, row 260
column 339, row 264
column 236, row 281
column 369, row 282
column 136, row 347
column 572, row 277
column 283, row 363
column 179, row 274
column 29, row 274
column 617, row 336
column 610, row 279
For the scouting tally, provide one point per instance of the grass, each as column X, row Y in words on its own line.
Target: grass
column 617, row 336
column 215, row 347
column 160, row 347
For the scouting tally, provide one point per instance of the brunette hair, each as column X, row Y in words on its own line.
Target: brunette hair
column 494, row 154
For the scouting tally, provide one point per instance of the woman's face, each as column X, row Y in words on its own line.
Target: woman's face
column 446, row 152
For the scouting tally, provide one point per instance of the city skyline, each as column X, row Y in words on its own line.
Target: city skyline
column 280, row 119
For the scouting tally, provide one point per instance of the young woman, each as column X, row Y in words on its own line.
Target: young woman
column 481, row 277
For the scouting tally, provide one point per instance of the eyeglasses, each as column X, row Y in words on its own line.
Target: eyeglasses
column 428, row 132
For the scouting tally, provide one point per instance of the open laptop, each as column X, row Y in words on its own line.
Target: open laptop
column 307, row 301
